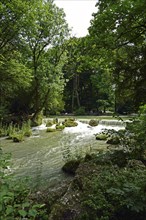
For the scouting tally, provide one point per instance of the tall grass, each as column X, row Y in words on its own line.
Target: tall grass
column 16, row 132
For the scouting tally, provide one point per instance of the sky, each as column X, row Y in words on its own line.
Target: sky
column 78, row 14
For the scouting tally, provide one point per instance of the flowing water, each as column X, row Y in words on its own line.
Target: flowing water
column 41, row 156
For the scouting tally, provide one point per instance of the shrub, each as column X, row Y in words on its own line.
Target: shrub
column 11, row 130
column 93, row 122
column 28, row 133
column 15, row 201
column 80, row 111
column 18, row 137
column 114, row 194
column 26, row 128
column 3, row 131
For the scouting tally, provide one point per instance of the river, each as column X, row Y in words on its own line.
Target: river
column 41, row 156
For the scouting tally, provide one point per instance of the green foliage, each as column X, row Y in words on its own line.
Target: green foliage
column 80, row 111
column 106, row 187
column 15, row 201
column 18, row 137
column 3, row 130
column 137, row 130
column 93, row 122
column 31, row 74
column 26, row 128
column 117, row 40
column 133, row 140
column 114, row 194
column 37, row 120
column 16, row 132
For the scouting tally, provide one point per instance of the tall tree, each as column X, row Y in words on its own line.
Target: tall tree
column 32, row 54
column 14, row 74
column 88, row 86
column 46, row 29
column 118, row 34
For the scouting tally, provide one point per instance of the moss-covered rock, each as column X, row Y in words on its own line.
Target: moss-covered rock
column 101, row 137
column 49, row 123
column 60, row 127
column 55, row 121
column 113, row 140
column 71, row 166
column 70, row 122
column 93, row 122
column 50, row 130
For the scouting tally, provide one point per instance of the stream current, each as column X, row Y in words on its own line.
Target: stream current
column 41, row 156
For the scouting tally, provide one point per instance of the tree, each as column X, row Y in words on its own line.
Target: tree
column 118, row 34
column 47, row 30
column 87, row 84
column 32, row 55
column 14, row 74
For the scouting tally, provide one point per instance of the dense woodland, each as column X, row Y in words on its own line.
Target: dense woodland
column 45, row 71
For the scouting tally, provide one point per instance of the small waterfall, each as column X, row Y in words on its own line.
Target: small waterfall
column 86, row 130
column 114, row 123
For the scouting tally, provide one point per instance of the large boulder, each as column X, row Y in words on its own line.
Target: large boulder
column 93, row 122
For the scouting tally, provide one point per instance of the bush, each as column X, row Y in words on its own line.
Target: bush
column 93, row 122
column 80, row 111
column 18, row 137
column 15, row 201
column 3, row 131
column 28, row 133
column 114, row 194
column 26, row 129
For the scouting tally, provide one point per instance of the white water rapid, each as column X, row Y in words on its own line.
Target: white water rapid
column 87, row 130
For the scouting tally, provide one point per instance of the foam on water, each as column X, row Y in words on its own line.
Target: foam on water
column 87, row 130
column 42, row 127
column 84, row 129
